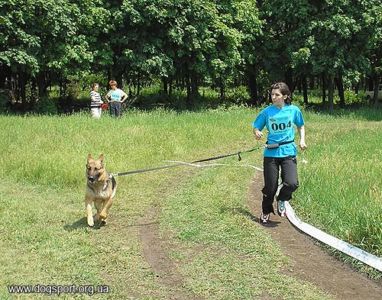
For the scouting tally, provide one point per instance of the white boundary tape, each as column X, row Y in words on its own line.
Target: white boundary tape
column 357, row 253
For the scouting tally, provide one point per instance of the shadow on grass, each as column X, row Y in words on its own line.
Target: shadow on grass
column 250, row 216
column 82, row 223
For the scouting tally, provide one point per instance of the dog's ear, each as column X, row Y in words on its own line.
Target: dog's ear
column 101, row 158
column 89, row 157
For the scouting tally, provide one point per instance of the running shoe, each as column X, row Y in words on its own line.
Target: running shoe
column 281, row 208
column 264, row 218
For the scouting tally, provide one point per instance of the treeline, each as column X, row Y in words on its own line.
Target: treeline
column 186, row 44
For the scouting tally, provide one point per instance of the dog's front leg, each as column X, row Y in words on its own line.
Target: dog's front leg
column 98, row 204
column 105, row 208
column 89, row 211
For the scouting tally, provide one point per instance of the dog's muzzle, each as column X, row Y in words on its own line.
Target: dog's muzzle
column 91, row 179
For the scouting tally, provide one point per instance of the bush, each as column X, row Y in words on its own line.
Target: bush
column 4, row 100
column 352, row 98
column 238, row 95
column 73, row 90
column 46, row 106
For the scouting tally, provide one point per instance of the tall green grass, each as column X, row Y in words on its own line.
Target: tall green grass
column 51, row 150
column 341, row 186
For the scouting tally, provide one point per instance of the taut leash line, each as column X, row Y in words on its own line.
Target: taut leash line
column 182, row 164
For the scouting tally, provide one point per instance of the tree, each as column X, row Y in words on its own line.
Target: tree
column 339, row 36
column 374, row 49
column 246, row 20
column 286, row 42
column 45, row 40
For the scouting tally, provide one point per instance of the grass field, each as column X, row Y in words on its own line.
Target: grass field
column 219, row 252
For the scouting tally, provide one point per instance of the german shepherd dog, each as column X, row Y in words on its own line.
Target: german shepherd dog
column 100, row 190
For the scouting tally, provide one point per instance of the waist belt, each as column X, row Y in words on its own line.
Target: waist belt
column 276, row 145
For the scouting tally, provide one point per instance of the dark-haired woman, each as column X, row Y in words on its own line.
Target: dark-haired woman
column 280, row 153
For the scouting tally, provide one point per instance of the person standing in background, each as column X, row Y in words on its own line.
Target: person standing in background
column 115, row 97
column 96, row 102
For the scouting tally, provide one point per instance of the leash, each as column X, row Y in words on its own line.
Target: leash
column 182, row 163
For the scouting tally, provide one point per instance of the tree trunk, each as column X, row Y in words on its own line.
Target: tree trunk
column 42, row 84
column 323, row 77
column 138, row 83
column 376, row 87
column 340, row 86
column 118, row 78
column 305, row 89
column 370, row 83
column 165, row 85
column 331, row 92
column 194, row 84
column 221, row 88
column 311, row 82
column 34, row 92
column 62, row 85
column 170, row 86
column 188, row 87
column 356, row 88
column 2, row 76
column 116, row 71
column 299, row 85
column 192, row 89
column 109, row 76
column 22, row 85
column 289, row 79
column 252, row 86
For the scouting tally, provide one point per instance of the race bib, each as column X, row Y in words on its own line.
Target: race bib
column 279, row 125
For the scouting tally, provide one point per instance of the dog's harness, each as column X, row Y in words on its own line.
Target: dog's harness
column 113, row 182
column 110, row 179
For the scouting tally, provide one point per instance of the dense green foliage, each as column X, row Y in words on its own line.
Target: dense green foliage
column 188, row 44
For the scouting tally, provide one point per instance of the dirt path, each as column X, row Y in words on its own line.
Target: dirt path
column 309, row 261
column 156, row 252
